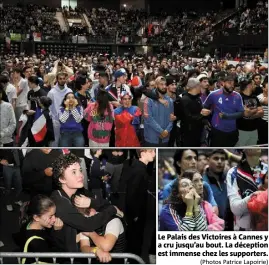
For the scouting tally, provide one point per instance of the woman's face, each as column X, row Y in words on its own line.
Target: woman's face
column 71, row 98
column 42, row 69
column 188, row 161
column 197, row 182
column 184, row 186
column 73, row 177
column 126, row 101
column 47, row 219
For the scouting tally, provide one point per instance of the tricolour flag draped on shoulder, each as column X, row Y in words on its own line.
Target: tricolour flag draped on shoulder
column 39, row 128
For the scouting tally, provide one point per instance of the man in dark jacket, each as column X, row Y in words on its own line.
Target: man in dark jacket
column 193, row 118
column 68, row 176
column 37, row 171
column 135, row 179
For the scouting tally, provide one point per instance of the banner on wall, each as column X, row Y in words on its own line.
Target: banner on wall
column 37, row 36
column 15, row 36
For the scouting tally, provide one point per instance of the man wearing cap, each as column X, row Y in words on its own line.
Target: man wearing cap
column 114, row 94
column 249, row 123
column 116, row 88
column 193, row 118
column 56, row 94
column 226, row 106
column 157, row 117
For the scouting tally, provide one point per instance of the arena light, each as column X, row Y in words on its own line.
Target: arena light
column 124, row 5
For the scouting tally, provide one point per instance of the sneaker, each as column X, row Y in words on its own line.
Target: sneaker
column 20, row 203
column 1, row 244
column 10, row 208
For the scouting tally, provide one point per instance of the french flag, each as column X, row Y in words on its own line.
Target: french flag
column 39, row 128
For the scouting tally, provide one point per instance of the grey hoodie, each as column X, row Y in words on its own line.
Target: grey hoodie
column 57, row 95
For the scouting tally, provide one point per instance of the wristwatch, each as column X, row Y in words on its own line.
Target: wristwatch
column 94, row 250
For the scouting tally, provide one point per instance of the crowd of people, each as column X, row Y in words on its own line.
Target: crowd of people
column 108, row 100
column 213, row 190
column 35, row 18
column 82, row 200
column 170, row 32
column 249, row 21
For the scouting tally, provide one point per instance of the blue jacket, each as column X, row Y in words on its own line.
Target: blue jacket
column 219, row 192
column 168, row 188
column 157, row 119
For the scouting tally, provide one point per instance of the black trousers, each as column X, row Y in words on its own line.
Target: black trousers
column 263, row 132
column 223, row 139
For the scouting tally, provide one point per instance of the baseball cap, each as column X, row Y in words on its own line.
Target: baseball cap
column 170, row 80
column 120, row 73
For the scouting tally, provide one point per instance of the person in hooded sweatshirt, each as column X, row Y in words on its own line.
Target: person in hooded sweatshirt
column 38, row 219
column 57, row 94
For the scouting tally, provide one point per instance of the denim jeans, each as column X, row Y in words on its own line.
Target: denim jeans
column 71, row 139
column 12, row 175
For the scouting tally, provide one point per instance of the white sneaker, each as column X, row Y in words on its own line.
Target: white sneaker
column 1, row 244
column 10, row 208
column 20, row 203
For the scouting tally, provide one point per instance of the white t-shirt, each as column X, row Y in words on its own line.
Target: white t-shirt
column 114, row 227
column 22, row 98
column 11, row 92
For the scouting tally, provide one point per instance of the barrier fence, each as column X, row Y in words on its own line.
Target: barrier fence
column 71, row 256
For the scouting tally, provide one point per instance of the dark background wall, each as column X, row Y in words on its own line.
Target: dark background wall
column 109, row 4
column 155, row 5
column 52, row 3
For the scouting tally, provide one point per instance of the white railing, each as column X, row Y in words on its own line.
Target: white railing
column 71, row 256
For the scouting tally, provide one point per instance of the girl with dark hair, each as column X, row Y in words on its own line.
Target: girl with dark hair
column 187, row 209
column 38, row 218
column 100, row 116
column 83, row 96
column 70, row 117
